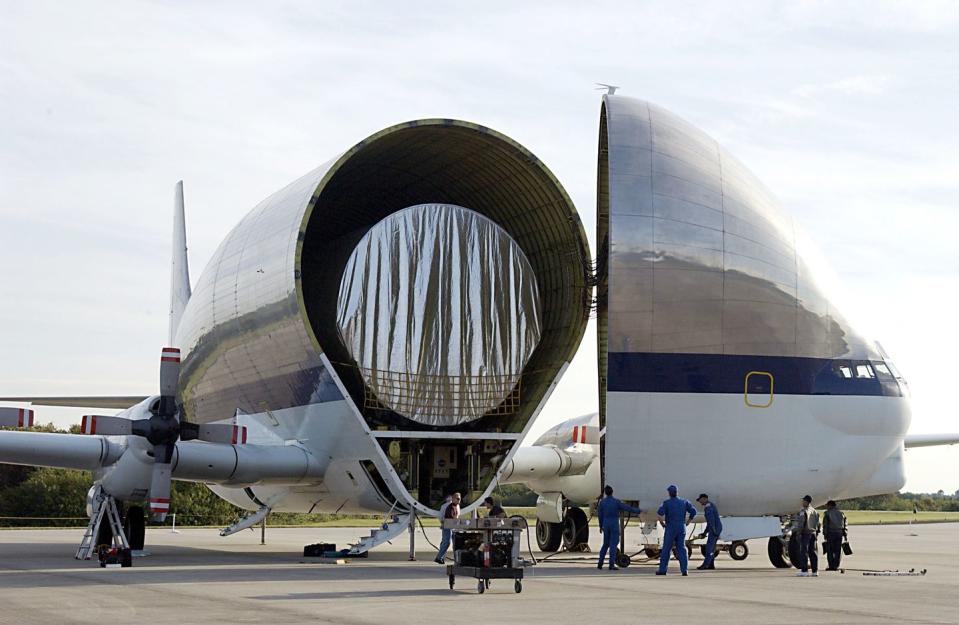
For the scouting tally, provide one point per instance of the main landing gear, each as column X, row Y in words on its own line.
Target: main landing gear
column 572, row 532
column 784, row 550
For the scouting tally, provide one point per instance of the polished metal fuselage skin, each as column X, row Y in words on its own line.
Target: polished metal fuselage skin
column 251, row 354
column 249, row 357
column 725, row 361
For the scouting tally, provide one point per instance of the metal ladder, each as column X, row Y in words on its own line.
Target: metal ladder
column 106, row 506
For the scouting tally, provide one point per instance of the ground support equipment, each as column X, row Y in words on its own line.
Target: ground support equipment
column 486, row 549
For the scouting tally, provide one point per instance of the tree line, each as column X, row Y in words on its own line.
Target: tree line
column 32, row 496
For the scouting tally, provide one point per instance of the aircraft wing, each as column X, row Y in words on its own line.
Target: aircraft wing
column 931, row 440
column 118, row 402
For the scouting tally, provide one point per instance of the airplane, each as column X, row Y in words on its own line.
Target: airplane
column 724, row 366
column 310, row 368
column 316, row 373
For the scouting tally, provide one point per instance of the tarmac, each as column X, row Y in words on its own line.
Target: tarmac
column 195, row 576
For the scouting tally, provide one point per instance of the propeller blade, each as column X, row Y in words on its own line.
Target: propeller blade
column 160, row 482
column 214, row 433
column 586, row 434
column 107, row 426
column 16, row 417
column 169, row 376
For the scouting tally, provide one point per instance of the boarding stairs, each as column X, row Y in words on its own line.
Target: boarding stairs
column 105, row 507
column 386, row 532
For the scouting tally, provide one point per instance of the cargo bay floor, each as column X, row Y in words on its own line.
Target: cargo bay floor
column 197, row 577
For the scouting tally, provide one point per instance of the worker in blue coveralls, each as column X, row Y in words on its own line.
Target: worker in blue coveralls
column 714, row 527
column 672, row 516
column 608, row 511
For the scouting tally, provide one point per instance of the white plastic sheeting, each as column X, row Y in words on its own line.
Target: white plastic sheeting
column 440, row 309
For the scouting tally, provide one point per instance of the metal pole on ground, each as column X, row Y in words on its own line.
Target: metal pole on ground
column 412, row 529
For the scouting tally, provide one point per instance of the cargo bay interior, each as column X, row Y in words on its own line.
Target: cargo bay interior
column 462, row 164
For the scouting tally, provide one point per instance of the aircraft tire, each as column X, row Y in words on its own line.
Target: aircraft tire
column 105, row 534
column 794, row 550
column 548, row 535
column 776, row 548
column 575, row 528
column 134, row 524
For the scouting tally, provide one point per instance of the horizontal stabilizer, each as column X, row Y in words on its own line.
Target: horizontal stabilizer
column 931, row 440
column 118, row 402
column 64, row 451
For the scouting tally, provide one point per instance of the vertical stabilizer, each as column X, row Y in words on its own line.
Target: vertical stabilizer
column 179, row 267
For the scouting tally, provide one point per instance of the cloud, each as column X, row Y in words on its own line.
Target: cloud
column 851, row 86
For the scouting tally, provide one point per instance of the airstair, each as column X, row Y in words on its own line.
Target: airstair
column 105, row 506
column 386, row 532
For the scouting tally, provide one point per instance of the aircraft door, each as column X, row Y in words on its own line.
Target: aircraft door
column 759, row 389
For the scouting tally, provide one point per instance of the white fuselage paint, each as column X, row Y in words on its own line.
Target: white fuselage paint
column 754, row 461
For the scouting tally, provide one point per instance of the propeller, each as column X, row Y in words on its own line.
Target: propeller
column 587, row 434
column 16, row 417
column 163, row 430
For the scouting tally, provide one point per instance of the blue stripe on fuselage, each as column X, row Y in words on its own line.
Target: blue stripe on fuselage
column 726, row 373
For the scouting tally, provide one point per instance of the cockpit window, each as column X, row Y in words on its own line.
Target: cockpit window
column 864, row 370
column 882, row 370
column 843, row 370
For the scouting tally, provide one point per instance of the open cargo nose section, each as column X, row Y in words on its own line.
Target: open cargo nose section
column 445, row 275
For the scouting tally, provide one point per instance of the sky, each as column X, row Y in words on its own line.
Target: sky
column 847, row 111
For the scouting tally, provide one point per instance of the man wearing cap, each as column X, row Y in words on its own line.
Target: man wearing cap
column 807, row 526
column 834, row 529
column 672, row 516
column 608, row 512
column 714, row 527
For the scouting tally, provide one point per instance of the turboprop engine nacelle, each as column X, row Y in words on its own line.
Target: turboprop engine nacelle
column 562, row 466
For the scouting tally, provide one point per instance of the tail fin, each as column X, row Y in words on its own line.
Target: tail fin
column 179, row 268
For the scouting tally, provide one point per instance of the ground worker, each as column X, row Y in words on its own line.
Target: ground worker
column 834, row 530
column 493, row 509
column 449, row 510
column 672, row 516
column 608, row 512
column 714, row 527
column 807, row 526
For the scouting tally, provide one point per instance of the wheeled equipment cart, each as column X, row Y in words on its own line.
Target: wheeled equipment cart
column 486, row 549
